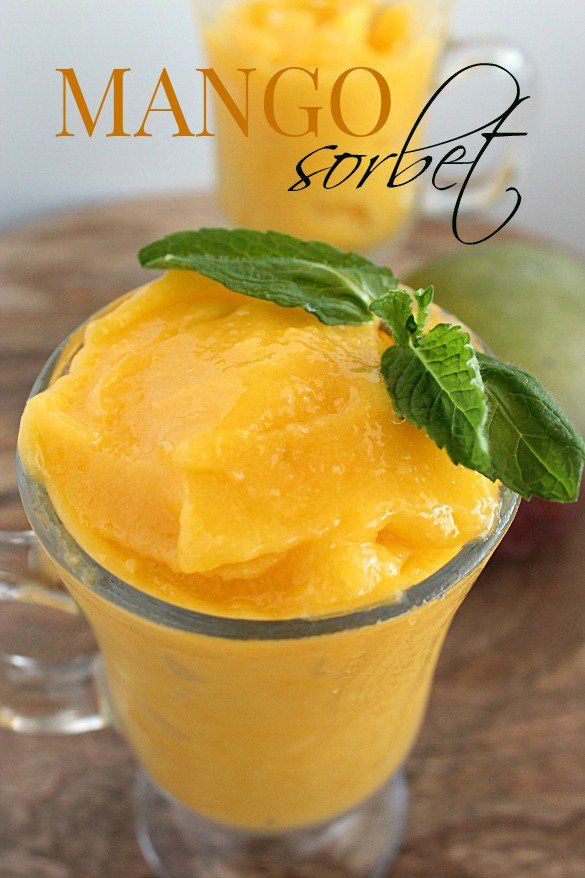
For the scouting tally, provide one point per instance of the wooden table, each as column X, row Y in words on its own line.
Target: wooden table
column 497, row 778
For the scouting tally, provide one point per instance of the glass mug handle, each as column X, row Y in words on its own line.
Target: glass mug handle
column 61, row 690
column 484, row 193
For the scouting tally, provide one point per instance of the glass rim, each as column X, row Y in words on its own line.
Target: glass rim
column 64, row 550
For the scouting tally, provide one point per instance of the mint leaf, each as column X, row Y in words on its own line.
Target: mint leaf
column 437, row 386
column 335, row 286
column 534, row 449
column 424, row 300
column 395, row 309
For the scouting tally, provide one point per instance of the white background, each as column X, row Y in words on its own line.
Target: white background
column 39, row 173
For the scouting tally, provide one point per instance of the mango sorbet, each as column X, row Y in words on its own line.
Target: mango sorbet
column 242, row 459
column 401, row 41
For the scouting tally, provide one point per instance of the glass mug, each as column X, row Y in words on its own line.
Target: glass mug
column 263, row 746
column 406, row 42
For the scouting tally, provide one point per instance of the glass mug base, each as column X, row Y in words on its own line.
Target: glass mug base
column 178, row 843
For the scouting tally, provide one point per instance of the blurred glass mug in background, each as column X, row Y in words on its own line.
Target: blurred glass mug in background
column 404, row 42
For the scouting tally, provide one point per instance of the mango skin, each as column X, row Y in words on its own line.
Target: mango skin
column 527, row 303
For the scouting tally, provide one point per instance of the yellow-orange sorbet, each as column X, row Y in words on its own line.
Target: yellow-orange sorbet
column 235, row 457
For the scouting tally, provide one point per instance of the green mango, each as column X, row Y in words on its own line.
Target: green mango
column 526, row 301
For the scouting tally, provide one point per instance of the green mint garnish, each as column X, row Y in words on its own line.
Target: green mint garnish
column 336, row 287
column 488, row 416
column 424, row 300
column 395, row 309
column 436, row 385
column 532, row 443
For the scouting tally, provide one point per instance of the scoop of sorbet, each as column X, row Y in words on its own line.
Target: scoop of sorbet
column 240, row 458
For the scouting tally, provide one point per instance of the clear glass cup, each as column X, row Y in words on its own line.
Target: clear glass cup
column 404, row 40
column 272, row 747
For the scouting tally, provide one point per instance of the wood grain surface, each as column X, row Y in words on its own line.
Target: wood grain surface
column 497, row 778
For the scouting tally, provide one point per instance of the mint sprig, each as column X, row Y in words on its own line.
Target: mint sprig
column 336, row 287
column 489, row 416
column 395, row 309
